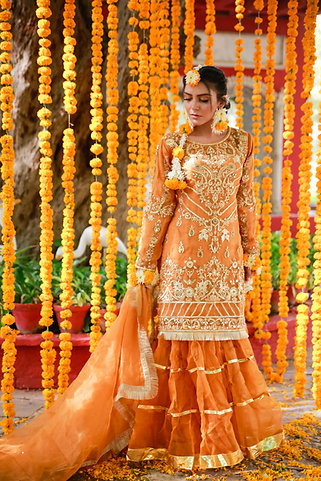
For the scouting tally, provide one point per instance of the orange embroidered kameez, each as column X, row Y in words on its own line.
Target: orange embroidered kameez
column 212, row 406
column 199, row 399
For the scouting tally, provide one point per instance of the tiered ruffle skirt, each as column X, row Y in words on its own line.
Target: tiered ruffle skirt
column 212, row 407
column 196, row 403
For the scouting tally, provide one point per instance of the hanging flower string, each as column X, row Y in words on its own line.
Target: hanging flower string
column 154, row 79
column 132, row 136
column 303, row 233
column 266, row 276
column 239, row 67
column 255, row 295
column 7, row 196
column 164, row 66
column 174, row 60
column 44, row 61
column 286, row 192
column 210, row 30
column 189, row 27
column 96, row 188
column 316, row 296
column 112, row 158
column 143, row 119
column 68, row 162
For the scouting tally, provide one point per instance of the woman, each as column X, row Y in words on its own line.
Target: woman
column 213, row 405
column 203, row 401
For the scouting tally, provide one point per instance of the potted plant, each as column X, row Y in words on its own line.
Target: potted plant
column 27, row 291
column 81, row 285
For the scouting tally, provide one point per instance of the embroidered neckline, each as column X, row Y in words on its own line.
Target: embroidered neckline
column 211, row 143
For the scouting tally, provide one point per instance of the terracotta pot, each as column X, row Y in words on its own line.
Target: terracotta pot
column 27, row 317
column 77, row 319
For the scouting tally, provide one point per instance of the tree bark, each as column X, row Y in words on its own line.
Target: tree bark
column 26, row 105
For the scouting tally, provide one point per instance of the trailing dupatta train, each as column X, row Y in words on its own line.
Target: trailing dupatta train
column 96, row 413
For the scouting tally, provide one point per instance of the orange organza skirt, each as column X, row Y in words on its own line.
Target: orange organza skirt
column 199, row 404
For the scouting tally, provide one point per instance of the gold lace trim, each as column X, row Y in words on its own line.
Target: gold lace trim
column 206, row 461
column 206, row 371
column 148, row 407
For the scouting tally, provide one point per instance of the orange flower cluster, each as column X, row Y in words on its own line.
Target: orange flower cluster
column 210, row 29
column 239, row 67
column 69, row 58
column 8, row 369
column 112, row 158
column 110, row 290
column 254, row 316
column 266, row 284
column 303, row 234
column 65, row 346
column 96, row 188
column 67, row 241
column 175, row 60
column 189, row 27
column 316, row 296
column 143, row 123
column 132, row 119
column 7, row 196
column 46, row 220
column 164, row 66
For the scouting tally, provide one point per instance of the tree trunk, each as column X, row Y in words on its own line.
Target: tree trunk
column 26, row 105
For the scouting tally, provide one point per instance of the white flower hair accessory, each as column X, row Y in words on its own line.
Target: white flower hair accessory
column 193, row 77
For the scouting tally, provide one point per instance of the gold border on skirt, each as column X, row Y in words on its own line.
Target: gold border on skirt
column 206, row 461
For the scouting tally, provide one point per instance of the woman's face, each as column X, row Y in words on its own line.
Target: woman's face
column 200, row 104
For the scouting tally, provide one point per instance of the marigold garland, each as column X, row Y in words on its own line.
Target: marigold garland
column 96, row 187
column 175, row 60
column 254, row 315
column 239, row 67
column 210, row 29
column 44, row 61
column 112, row 158
column 132, row 138
column 189, row 27
column 8, row 231
column 164, row 67
column 154, row 79
column 303, row 233
column 316, row 296
column 143, row 124
column 288, row 134
column 68, row 234
column 266, row 284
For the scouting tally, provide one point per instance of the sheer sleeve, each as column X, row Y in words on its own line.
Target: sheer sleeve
column 246, row 205
column 157, row 213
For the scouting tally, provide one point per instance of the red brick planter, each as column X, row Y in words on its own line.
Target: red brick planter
column 28, row 365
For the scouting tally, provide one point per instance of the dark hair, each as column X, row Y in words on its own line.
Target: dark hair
column 213, row 77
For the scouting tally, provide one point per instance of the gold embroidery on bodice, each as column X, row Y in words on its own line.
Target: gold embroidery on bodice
column 208, row 225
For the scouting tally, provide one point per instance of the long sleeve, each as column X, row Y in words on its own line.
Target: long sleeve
column 246, row 205
column 158, row 211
